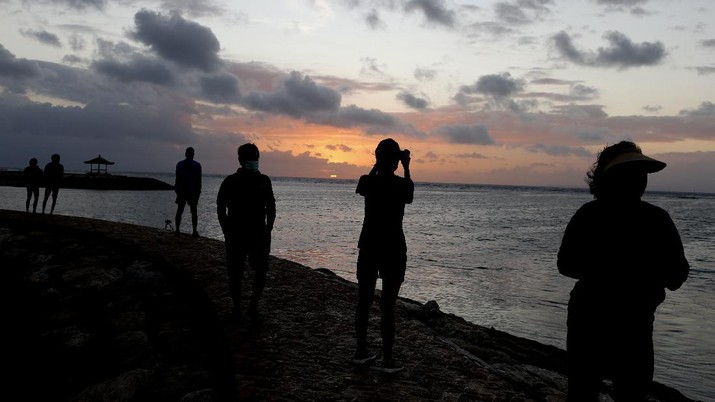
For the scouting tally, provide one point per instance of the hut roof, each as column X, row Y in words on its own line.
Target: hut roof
column 99, row 161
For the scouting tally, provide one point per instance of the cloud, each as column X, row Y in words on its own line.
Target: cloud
column 472, row 155
column 139, row 69
column 495, row 85
column 521, row 12
column 425, row 74
column 413, row 101
column 297, row 96
column 581, row 111
column 375, row 121
column 463, row 134
column 174, row 38
column 652, row 108
column 339, row 147
column 43, row 37
column 15, row 68
column 709, row 43
column 372, row 18
column 79, row 4
column 705, row 109
column 626, row 3
column 434, row 11
column 221, row 88
column 559, row 150
column 371, row 67
column 705, row 70
column 622, row 52
column 195, row 8
column 284, row 163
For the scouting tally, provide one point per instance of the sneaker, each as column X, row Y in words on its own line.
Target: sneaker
column 363, row 357
column 389, row 366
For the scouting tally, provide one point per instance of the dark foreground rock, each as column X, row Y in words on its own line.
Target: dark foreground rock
column 100, row 311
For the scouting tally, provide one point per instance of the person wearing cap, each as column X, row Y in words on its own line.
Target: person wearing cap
column 624, row 253
column 188, row 189
column 383, row 250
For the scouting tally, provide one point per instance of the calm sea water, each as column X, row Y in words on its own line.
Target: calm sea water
column 485, row 253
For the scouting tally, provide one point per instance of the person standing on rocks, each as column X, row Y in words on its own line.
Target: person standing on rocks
column 53, row 174
column 188, row 189
column 383, row 250
column 33, row 179
column 246, row 210
column 624, row 252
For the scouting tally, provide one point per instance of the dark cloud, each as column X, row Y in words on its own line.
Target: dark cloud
column 595, row 134
column 581, row 111
column 76, row 42
column 373, row 121
column 72, row 59
column 425, row 74
column 79, row 4
column 705, row 70
column 559, row 150
column 43, row 37
column 521, row 12
column 285, row 164
column 372, row 18
column 705, row 109
column 221, row 88
column 551, row 81
column 195, row 8
column 472, row 155
column 622, row 52
column 626, row 3
column 495, row 85
column 339, row 147
column 463, row 134
column 174, row 38
column 412, row 101
column 652, row 108
column 140, row 69
column 15, row 68
column 709, row 43
column 583, row 91
column 297, row 96
column 434, row 11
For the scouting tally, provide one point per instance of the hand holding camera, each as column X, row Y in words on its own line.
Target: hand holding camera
column 405, row 158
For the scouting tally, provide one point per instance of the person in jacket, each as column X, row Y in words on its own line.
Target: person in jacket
column 246, row 210
column 33, row 180
column 188, row 189
column 383, row 250
column 624, row 253
column 53, row 174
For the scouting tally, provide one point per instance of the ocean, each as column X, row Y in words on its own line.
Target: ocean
column 485, row 253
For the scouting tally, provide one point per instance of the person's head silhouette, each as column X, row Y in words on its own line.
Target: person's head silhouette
column 248, row 156
column 189, row 153
column 33, row 162
column 55, row 158
column 387, row 155
column 621, row 172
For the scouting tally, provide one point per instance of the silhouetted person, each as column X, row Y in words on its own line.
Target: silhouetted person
column 248, row 197
column 188, row 189
column 33, row 178
column 624, row 252
column 53, row 174
column 383, row 250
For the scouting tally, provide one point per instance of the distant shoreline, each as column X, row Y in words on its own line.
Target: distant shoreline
column 92, row 181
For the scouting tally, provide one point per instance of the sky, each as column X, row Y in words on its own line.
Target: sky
column 511, row 92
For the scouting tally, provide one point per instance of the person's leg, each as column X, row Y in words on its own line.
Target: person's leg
column 36, row 193
column 235, row 260
column 27, row 203
column 194, row 217
column 367, row 278
column 180, row 204
column 633, row 369
column 55, row 191
column 259, row 263
column 582, row 348
column 390, row 291
column 48, row 190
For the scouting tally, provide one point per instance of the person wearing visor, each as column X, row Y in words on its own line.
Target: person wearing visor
column 624, row 253
column 246, row 210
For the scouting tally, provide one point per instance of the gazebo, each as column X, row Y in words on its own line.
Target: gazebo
column 99, row 161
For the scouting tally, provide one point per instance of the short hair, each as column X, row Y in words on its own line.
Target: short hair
column 387, row 151
column 33, row 161
column 247, row 151
column 189, row 152
column 55, row 157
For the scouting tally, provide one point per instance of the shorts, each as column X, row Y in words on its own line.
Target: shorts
column 390, row 265
column 191, row 199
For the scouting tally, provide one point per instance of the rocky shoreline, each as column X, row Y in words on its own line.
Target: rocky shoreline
column 100, row 311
